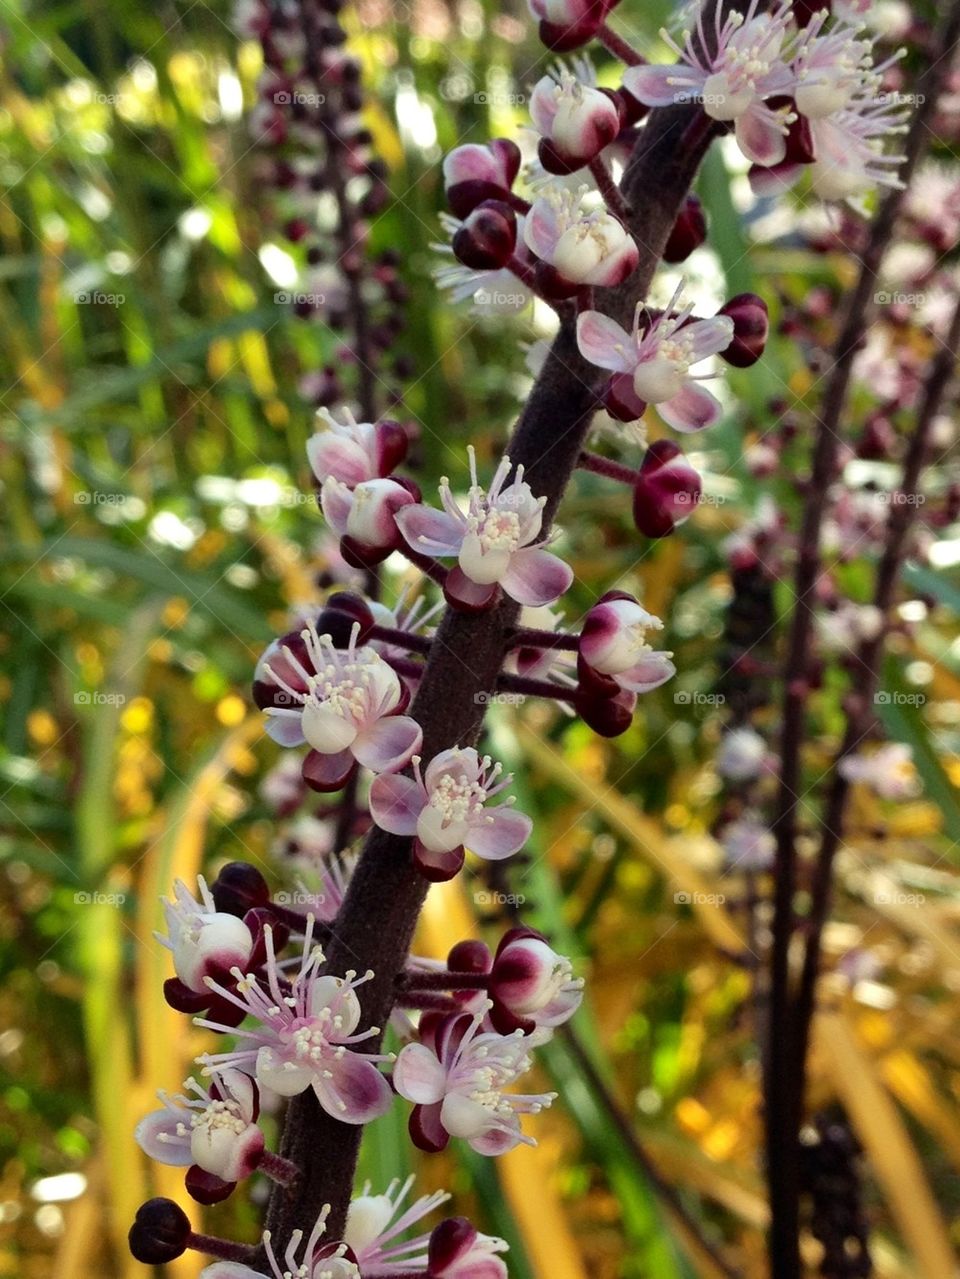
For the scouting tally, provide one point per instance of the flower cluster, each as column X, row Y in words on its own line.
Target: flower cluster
column 796, row 96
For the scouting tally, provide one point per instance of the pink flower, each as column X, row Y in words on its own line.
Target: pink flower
column 456, row 1076
column 344, row 703
column 494, row 540
column 305, row 1036
column 575, row 121
column 214, row 1129
column 748, row 844
column 205, row 942
column 734, row 83
column 373, row 1225
column 889, row 771
column 613, row 646
column 659, row 359
column 830, row 69
column 352, row 451
column 365, row 514
column 458, row 1251
column 314, row 1261
column 445, row 810
column 530, row 984
column 583, row 248
column 473, row 173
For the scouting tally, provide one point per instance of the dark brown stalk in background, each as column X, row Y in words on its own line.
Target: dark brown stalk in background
column 784, row 1073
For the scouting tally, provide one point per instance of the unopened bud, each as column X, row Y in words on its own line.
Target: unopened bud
column 689, row 231
column 751, row 325
column 666, row 491
column 488, row 237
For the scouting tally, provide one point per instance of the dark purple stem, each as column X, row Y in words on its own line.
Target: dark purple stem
column 413, row 980
column 612, row 195
column 619, row 47
column 278, row 1169
column 401, row 639
column 608, row 468
column 528, row 637
column 525, row 686
column 225, row 1249
column 376, row 922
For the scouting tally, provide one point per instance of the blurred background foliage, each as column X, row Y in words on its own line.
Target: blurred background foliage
column 157, row 529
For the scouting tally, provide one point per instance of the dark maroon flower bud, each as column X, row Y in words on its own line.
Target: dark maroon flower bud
column 800, row 148
column 469, row 957
column 206, row 1187
column 238, row 888
column 689, row 231
column 362, row 556
column 621, row 401
column 179, row 996
column 607, row 716
column 570, row 26
column 341, row 612
column 488, row 237
column 879, row 439
column 160, row 1232
column 473, row 173
column 751, row 326
column 296, row 229
column 666, row 491
column 448, row 1242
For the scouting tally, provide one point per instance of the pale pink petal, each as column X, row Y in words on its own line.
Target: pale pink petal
column 284, row 726
column 495, row 1142
column 501, row 833
column 152, row 1133
column 462, row 592
column 543, row 104
column 760, row 138
column 459, row 761
column 336, row 502
column 388, row 743
column 657, row 86
column 396, row 803
column 773, row 180
column 330, row 453
column 429, row 531
column 708, row 336
column 418, row 1075
column 540, row 230
column 536, row 577
column 604, row 343
column 652, row 671
column 354, row 1091
column 692, row 410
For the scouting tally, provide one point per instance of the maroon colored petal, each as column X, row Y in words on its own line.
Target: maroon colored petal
column 207, row 1188
column 426, row 1130
column 326, row 773
column 437, row 867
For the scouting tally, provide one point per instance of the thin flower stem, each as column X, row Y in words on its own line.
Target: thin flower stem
column 525, row 686
column 529, row 637
column 425, row 563
column 608, row 468
column 414, row 980
column 784, row 1073
column 401, row 639
column 611, row 193
column 619, row 47
column 426, row 1003
column 225, row 1249
column 869, row 659
column 278, row 1169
